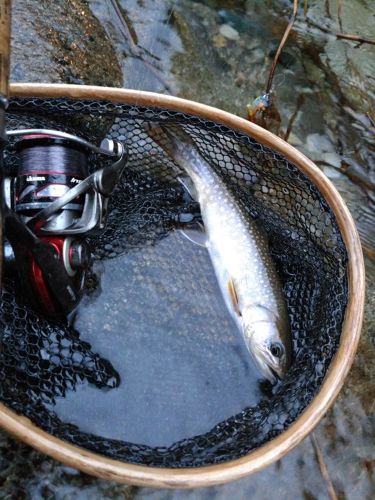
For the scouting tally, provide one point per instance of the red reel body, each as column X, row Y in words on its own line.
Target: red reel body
column 49, row 168
column 65, row 248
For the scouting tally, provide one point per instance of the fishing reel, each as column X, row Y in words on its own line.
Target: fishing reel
column 50, row 207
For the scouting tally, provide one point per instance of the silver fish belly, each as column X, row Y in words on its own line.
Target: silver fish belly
column 239, row 252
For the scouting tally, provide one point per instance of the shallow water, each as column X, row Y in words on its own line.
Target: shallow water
column 171, row 340
column 337, row 81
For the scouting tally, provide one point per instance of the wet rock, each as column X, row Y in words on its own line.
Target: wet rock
column 318, row 144
column 28, row 474
column 332, row 173
column 145, row 41
column 294, row 140
column 219, row 41
column 60, row 41
column 240, row 79
column 332, row 159
column 240, row 22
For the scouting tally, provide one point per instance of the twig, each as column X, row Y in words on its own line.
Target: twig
column 328, row 12
column 281, row 46
column 370, row 118
column 135, row 51
column 305, row 7
column 354, row 38
column 323, row 468
column 345, row 36
column 292, row 119
column 130, row 37
column 339, row 12
column 357, row 176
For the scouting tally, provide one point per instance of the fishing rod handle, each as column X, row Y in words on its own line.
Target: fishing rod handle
column 5, row 24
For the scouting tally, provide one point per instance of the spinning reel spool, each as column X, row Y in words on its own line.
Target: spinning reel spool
column 50, row 207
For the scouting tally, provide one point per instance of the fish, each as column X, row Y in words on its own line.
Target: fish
column 240, row 255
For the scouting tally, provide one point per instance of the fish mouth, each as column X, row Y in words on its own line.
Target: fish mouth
column 267, row 371
column 270, row 374
column 277, row 377
column 270, row 371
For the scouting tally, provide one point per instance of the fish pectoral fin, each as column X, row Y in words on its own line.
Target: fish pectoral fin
column 233, row 296
column 189, row 187
column 195, row 233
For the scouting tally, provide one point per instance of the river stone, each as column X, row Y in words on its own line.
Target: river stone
column 229, row 32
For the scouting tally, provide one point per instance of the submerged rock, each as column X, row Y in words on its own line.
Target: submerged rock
column 229, row 32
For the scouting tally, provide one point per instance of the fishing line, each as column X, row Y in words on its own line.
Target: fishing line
column 48, row 168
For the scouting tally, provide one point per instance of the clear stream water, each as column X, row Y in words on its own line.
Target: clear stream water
column 217, row 52
column 182, row 362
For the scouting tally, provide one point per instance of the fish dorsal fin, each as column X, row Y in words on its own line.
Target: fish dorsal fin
column 194, row 232
column 233, row 296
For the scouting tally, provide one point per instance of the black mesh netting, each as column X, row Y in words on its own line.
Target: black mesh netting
column 40, row 361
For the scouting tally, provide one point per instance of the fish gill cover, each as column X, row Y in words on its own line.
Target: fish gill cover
column 40, row 361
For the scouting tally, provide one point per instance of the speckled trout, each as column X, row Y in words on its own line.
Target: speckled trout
column 239, row 252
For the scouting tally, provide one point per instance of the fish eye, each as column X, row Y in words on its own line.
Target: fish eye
column 277, row 350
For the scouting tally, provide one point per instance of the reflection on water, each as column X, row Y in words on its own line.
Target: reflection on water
column 144, row 39
column 191, row 371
